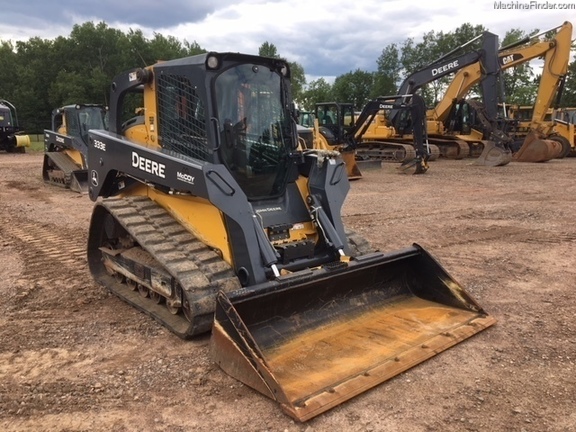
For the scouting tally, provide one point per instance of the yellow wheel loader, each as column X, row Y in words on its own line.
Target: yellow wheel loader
column 210, row 216
column 66, row 145
column 12, row 138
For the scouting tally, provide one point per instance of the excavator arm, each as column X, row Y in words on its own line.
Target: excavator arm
column 415, row 105
column 556, row 53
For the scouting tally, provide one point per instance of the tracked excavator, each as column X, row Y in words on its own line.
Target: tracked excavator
column 541, row 139
column 66, row 145
column 383, row 142
column 209, row 215
column 12, row 137
column 338, row 127
column 495, row 149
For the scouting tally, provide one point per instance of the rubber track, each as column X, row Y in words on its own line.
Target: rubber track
column 199, row 270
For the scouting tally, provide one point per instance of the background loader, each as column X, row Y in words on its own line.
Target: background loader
column 12, row 139
column 66, row 145
column 210, row 216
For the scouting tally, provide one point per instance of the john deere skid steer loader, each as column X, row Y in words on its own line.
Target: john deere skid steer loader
column 66, row 145
column 210, row 217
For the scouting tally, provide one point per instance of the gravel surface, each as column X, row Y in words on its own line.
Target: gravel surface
column 73, row 357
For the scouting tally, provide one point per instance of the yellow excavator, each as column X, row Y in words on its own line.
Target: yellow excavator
column 496, row 151
column 454, row 118
column 66, row 145
column 210, row 215
column 12, row 138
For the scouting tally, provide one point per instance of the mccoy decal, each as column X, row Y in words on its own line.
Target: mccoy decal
column 148, row 165
column 185, row 177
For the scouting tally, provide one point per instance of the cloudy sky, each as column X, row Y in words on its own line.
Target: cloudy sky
column 327, row 37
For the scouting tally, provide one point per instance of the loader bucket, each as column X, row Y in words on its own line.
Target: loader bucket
column 492, row 155
column 79, row 181
column 311, row 341
column 535, row 149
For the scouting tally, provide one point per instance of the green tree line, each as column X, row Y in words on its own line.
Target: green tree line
column 39, row 75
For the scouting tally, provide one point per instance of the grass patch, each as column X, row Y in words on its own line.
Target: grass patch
column 35, row 146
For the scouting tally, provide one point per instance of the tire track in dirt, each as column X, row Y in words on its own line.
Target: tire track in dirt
column 53, row 257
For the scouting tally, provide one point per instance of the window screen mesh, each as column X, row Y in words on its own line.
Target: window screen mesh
column 182, row 124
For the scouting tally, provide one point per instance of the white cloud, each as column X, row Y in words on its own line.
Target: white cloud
column 327, row 37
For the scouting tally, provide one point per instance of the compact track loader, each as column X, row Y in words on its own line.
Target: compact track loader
column 210, row 216
column 66, row 145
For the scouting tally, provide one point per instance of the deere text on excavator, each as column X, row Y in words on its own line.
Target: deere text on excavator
column 208, row 216
column 66, row 145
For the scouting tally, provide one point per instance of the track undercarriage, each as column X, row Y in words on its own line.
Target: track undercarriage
column 60, row 170
column 145, row 257
column 390, row 151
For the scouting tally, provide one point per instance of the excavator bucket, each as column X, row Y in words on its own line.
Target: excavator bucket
column 535, row 149
column 492, row 155
column 352, row 169
column 414, row 166
column 312, row 341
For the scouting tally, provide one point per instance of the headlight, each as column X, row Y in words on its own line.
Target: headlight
column 212, row 62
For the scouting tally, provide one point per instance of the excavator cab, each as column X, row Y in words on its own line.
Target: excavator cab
column 216, row 219
column 334, row 120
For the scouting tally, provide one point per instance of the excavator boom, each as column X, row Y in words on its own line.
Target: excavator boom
column 495, row 148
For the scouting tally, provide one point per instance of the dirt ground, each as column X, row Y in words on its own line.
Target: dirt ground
column 75, row 358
